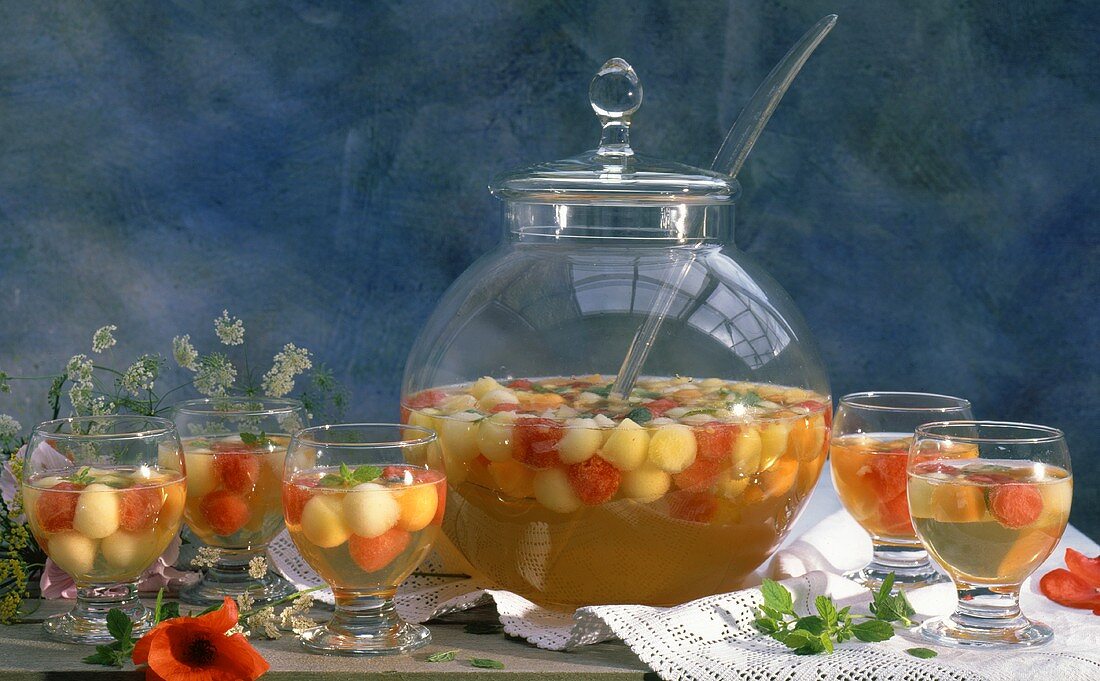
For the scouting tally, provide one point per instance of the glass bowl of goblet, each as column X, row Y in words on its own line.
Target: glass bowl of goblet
column 990, row 520
column 104, row 497
column 364, row 504
column 235, row 448
column 872, row 432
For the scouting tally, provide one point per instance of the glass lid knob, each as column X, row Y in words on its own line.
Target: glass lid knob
column 615, row 94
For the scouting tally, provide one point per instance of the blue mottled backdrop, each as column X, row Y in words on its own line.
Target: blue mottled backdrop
column 927, row 191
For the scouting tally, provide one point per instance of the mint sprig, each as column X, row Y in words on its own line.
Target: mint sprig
column 445, row 656
column 121, row 627
column 640, row 415
column 254, row 439
column 82, row 477
column 486, row 663
column 348, row 477
column 820, row 632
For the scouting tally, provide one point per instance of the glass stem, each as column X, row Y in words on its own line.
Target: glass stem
column 982, row 608
column 899, row 557
column 94, row 602
column 363, row 615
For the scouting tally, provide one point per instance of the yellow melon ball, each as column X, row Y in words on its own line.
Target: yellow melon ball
column 417, row 506
column 458, row 433
column 484, row 385
column 323, row 521
column 495, row 397
column 494, row 436
column 73, row 552
column 672, row 447
column 581, row 440
column 625, row 448
column 807, row 438
column 200, row 473
column 745, row 452
column 646, row 483
column 129, row 551
column 97, row 511
column 175, row 496
column 730, row 485
column 512, row 478
column 169, row 457
column 773, row 442
column 457, row 403
column 553, row 491
column 370, row 510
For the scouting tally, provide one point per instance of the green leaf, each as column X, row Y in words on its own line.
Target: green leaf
column 484, row 628
column 331, row 480
column 648, row 394
column 826, row 609
column 776, row 596
column 445, row 656
column 605, row 391
column 366, row 473
column 922, row 653
column 640, row 415
column 812, row 623
column 873, row 631
column 250, row 439
column 104, row 655
column 537, row 388
column 749, row 399
column 119, row 625
column 826, row 642
column 767, row 625
column 82, row 477
column 168, row 611
column 486, row 663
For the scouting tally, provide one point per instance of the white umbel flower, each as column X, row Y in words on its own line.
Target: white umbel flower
column 230, row 330
column 279, row 380
column 140, row 375
column 9, row 428
column 185, row 353
column 104, row 338
column 215, row 374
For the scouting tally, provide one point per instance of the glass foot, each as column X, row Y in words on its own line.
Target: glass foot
column 405, row 638
column 86, row 623
column 963, row 632
column 217, row 583
column 872, row 575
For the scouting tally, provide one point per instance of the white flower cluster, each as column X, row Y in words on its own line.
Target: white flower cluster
column 257, row 567
column 279, row 380
column 79, row 371
column 208, row 556
column 9, row 428
column 104, row 338
column 264, row 621
column 140, row 375
column 230, row 330
column 294, row 617
column 185, row 353
column 215, row 374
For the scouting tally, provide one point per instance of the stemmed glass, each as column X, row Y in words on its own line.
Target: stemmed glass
column 104, row 497
column 363, row 504
column 990, row 519
column 235, row 448
column 872, row 432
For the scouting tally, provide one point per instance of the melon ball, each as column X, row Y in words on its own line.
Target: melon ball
column 745, row 452
column 323, row 521
column 672, row 447
column 417, row 506
column 483, row 386
column 459, row 436
column 128, row 551
column 73, row 552
column 495, row 397
column 730, row 485
column 512, row 478
column 200, row 473
column 581, row 440
column 455, row 403
column 625, row 448
column 494, row 436
column 773, row 442
column 97, row 511
column 370, row 510
column 169, row 457
column 553, row 491
column 646, row 483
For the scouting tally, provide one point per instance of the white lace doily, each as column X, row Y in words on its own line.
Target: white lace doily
column 713, row 638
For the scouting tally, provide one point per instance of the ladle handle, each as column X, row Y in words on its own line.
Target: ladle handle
column 750, row 123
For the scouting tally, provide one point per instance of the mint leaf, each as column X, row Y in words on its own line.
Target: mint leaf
column 536, row 388
column 812, row 624
column 250, row 439
column 103, row 655
column 81, row 477
column 640, row 415
column 119, row 625
column 486, row 663
column 826, row 609
column 922, row 653
column 648, row 394
column 777, row 597
column 873, row 631
column 366, row 474
column 605, row 391
column 445, row 656
column 749, row 399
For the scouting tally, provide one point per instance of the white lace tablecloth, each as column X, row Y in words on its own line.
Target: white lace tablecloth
column 713, row 638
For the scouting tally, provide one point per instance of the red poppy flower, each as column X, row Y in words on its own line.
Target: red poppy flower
column 197, row 649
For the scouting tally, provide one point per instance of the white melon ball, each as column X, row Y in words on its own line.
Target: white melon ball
column 97, row 511
column 745, row 452
column 672, row 447
column 456, row 403
column 645, row 483
column 323, row 521
column 495, row 397
column 553, row 491
column 581, row 440
column 73, row 552
column 607, row 426
column 370, row 510
column 483, row 386
column 459, row 436
column 773, row 442
column 200, row 473
column 625, row 448
column 494, row 436
column 128, row 551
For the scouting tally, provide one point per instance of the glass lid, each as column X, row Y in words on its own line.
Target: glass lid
column 613, row 174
